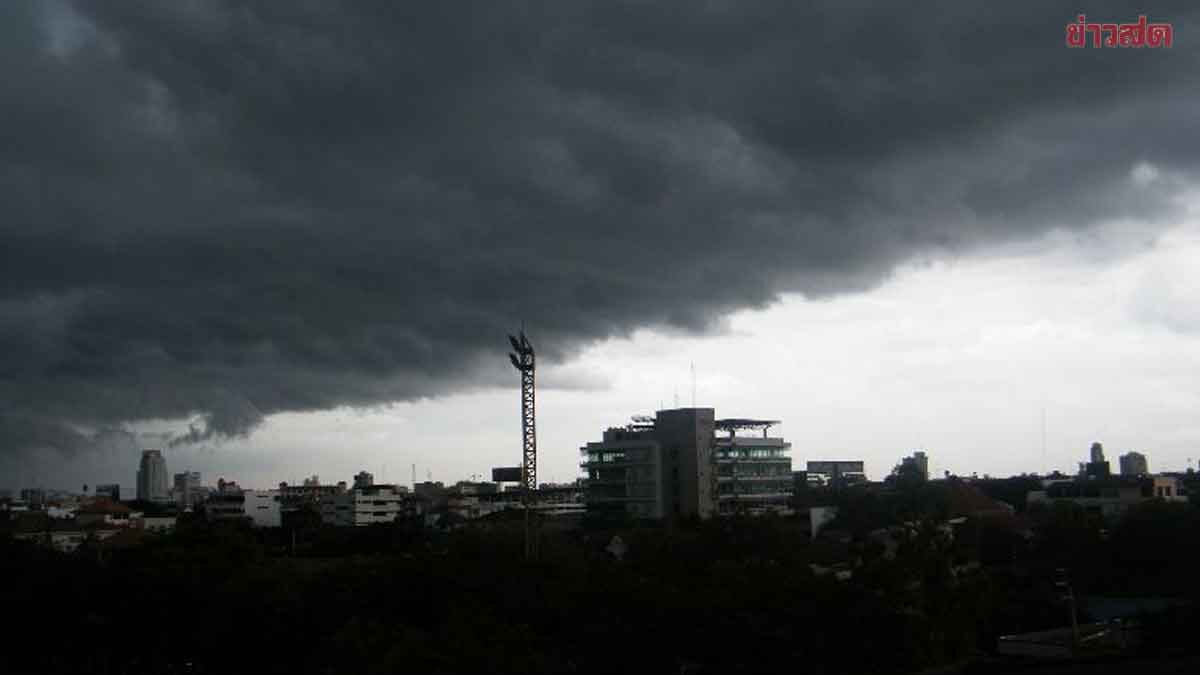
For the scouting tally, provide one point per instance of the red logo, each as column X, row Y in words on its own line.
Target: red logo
column 1140, row 34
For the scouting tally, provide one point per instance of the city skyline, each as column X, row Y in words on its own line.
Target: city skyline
column 290, row 240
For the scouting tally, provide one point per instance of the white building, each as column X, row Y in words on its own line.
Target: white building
column 262, row 507
column 364, row 506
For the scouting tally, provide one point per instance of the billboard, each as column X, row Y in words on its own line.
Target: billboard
column 506, row 474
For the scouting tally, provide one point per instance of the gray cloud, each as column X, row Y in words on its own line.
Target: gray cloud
column 218, row 211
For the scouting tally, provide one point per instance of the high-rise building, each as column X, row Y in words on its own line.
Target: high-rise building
column 675, row 465
column 919, row 461
column 1098, row 467
column 152, row 477
column 363, row 479
column 1134, row 464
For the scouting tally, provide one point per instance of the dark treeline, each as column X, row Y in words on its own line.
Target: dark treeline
column 726, row 596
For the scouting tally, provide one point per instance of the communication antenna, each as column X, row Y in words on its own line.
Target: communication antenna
column 1044, row 467
column 693, row 384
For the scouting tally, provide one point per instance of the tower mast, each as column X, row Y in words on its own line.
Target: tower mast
column 523, row 360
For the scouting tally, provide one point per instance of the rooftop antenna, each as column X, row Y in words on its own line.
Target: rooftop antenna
column 1044, row 467
column 693, row 384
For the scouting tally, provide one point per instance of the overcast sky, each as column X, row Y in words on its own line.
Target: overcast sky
column 288, row 238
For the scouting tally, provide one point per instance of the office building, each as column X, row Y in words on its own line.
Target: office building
column 152, row 477
column 1134, row 464
column 754, row 473
column 684, row 463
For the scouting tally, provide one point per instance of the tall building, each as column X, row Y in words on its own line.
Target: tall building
column 152, row 477
column 1098, row 467
column 1133, row 464
column 918, row 460
column 675, row 465
column 363, row 479
column 187, row 490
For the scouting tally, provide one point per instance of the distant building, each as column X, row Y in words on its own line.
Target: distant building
column 263, row 507
column 919, row 461
column 1098, row 467
column 152, row 477
column 187, row 491
column 363, row 479
column 675, row 465
column 34, row 498
column 1134, row 464
column 1109, row 496
column 110, row 490
column 225, row 506
column 835, row 474
column 464, row 487
column 365, row 506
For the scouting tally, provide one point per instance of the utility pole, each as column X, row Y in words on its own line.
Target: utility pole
column 1063, row 583
column 523, row 360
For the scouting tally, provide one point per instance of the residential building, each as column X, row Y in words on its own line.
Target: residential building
column 152, row 477
column 1133, row 464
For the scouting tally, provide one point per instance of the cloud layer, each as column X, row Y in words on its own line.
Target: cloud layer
column 220, row 211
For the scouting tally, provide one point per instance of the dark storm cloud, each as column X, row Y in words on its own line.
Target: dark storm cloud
column 219, row 210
